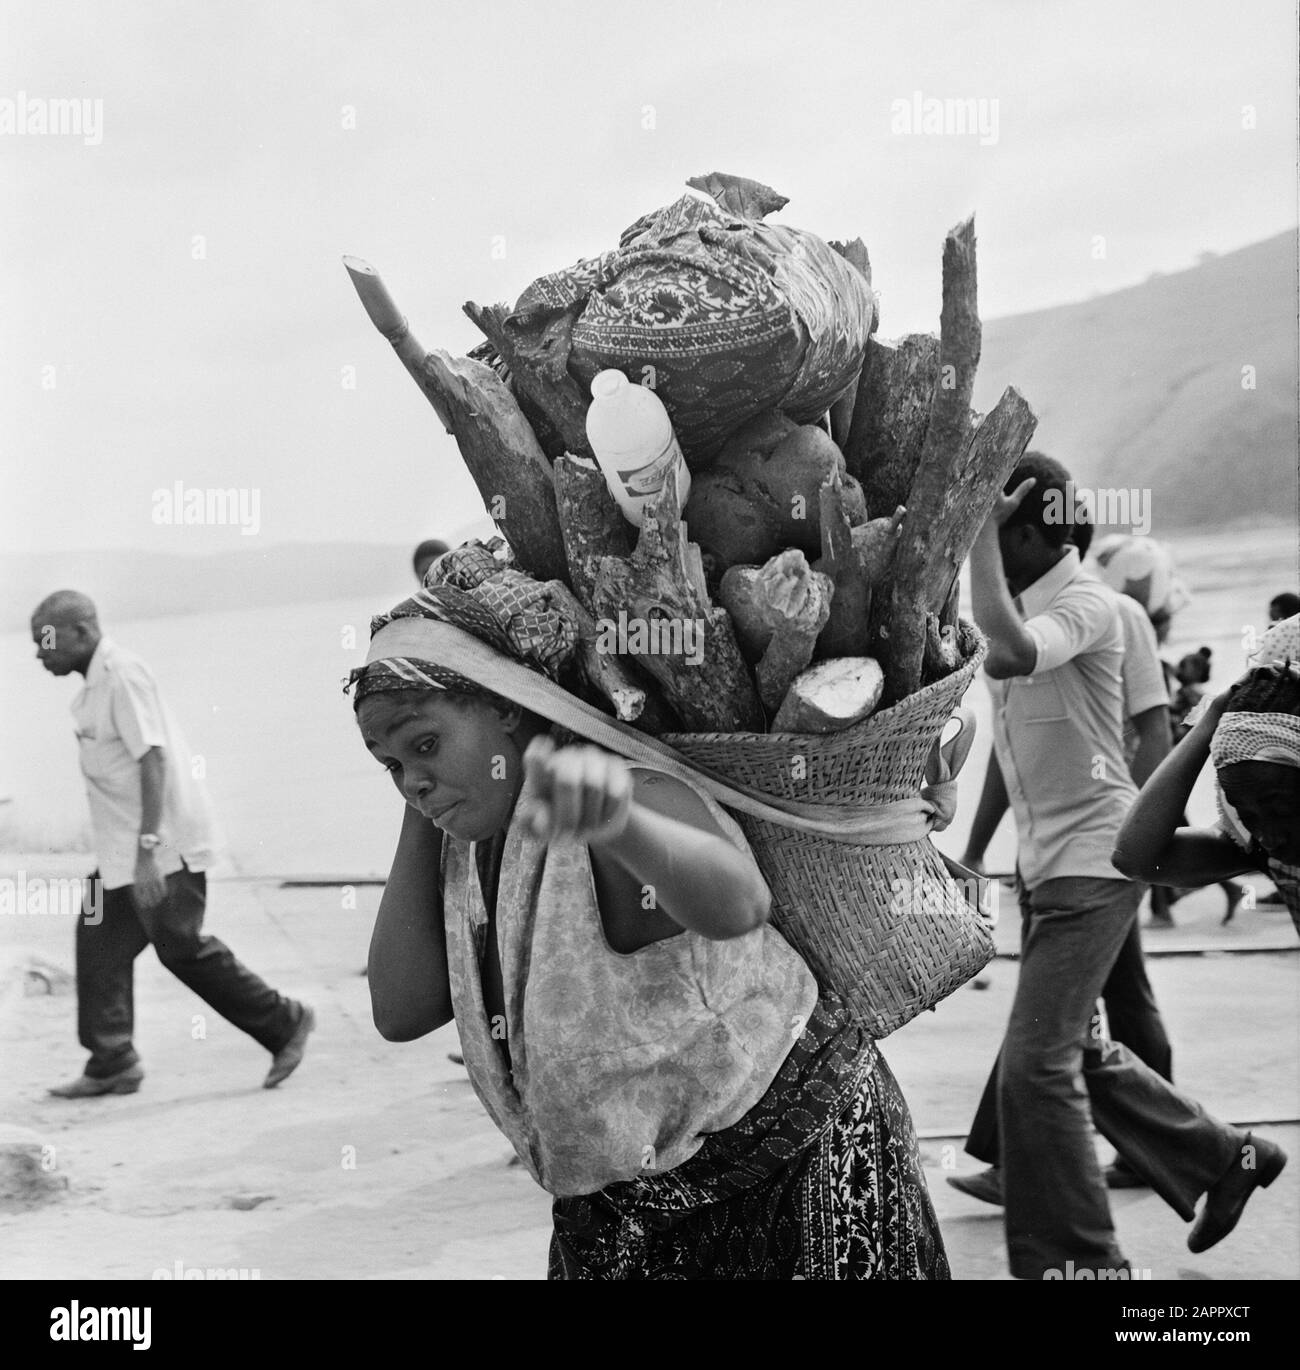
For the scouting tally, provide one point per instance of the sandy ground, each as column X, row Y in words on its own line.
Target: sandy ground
column 376, row 1161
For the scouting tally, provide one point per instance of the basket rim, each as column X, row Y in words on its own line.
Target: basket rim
column 977, row 649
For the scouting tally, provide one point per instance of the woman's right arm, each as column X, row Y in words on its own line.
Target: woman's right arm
column 407, row 969
column 1151, row 845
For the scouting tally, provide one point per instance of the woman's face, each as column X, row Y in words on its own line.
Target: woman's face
column 455, row 759
column 1266, row 796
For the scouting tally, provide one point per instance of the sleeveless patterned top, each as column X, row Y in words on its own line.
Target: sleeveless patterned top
column 617, row 1064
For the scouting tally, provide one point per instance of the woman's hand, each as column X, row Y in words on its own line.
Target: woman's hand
column 580, row 792
column 1214, row 709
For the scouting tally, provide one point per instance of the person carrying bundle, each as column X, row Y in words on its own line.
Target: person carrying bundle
column 658, row 1055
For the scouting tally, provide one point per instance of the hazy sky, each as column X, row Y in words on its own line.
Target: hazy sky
column 174, row 307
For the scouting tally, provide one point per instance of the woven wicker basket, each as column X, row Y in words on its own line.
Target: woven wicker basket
column 885, row 926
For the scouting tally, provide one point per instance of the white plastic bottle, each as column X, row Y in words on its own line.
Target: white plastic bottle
column 634, row 443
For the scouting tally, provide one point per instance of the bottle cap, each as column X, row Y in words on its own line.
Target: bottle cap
column 607, row 383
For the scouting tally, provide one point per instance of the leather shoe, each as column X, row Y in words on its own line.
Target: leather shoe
column 90, row 1087
column 289, row 1057
column 1226, row 1200
column 985, row 1185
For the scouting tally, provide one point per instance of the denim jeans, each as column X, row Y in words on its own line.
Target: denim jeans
column 106, row 953
column 1054, row 1082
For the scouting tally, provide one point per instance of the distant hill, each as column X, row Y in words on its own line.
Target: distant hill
column 1144, row 387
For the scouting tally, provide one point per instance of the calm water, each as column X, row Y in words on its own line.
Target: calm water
column 258, row 695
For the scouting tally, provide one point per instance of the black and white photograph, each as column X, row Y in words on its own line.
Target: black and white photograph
column 649, row 642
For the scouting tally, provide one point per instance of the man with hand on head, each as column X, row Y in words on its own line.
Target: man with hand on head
column 1056, row 644
column 154, row 839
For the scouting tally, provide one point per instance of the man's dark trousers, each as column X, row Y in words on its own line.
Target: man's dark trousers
column 106, row 952
column 1054, row 1083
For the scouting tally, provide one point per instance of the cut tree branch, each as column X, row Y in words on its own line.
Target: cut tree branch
column 933, row 484
column 591, row 522
column 926, row 567
column 539, row 366
column 660, row 590
column 500, row 449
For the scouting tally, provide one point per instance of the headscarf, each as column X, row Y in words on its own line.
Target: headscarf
column 1246, row 735
column 475, row 587
column 1143, row 569
column 1280, row 643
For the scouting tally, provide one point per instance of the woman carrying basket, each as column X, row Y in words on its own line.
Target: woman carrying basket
column 658, row 1055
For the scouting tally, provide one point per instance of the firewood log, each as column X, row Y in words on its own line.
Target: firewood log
column 891, row 416
column 504, row 459
column 948, row 615
column 831, row 696
column 942, row 650
column 876, row 542
column 611, row 677
column 855, row 253
column 846, row 630
column 546, row 432
column 539, row 367
column 591, row 522
column 689, row 646
column 930, row 498
column 777, row 611
column 928, row 562
column 499, row 448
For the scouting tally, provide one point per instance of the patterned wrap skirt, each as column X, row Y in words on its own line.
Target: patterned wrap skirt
column 820, row 1180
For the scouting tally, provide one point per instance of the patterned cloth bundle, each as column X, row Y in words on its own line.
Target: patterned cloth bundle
column 475, row 587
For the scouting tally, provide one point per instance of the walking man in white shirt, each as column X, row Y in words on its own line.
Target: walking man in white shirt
column 1056, row 644
column 154, row 839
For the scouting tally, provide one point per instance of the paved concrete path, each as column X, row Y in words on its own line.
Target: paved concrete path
column 376, row 1161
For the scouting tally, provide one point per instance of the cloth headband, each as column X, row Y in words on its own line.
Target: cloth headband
column 1246, row 736
column 905, row 820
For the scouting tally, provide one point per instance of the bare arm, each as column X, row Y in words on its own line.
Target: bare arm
column 652, row 838
column 148, row 887
column 1151, row 845
column 672, row 852
column 992, row 805
column 407, row 969
column 1011, row 649
column 1152, row 727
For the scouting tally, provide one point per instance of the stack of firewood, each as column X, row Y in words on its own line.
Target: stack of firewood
column 820, row 561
